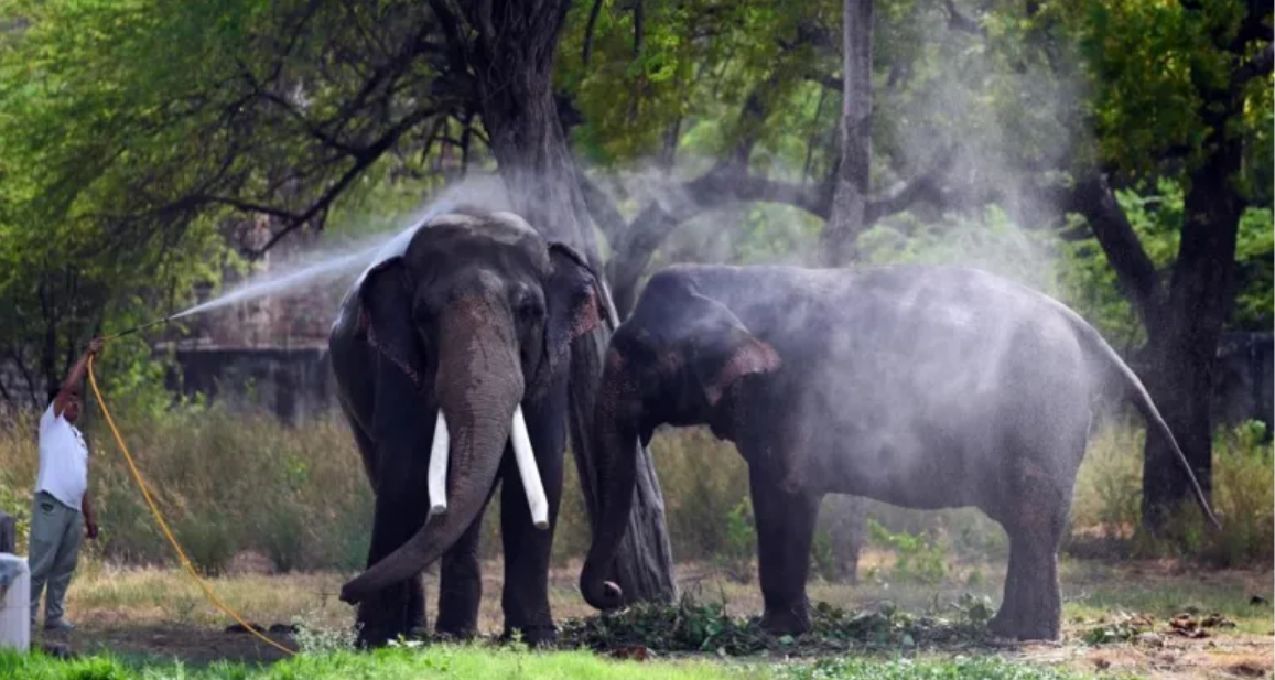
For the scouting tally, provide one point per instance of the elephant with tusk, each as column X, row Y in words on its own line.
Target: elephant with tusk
column 451, row 356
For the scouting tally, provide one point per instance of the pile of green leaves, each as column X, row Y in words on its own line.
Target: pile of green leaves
column 689, row 626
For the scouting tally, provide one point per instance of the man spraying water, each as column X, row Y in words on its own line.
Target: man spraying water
column 60, row 513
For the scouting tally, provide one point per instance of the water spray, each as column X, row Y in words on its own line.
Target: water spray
column 324, row 268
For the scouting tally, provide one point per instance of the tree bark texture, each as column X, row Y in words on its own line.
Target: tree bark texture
column 1184, row 318
column 850, row 194
column 1183, row 338
column 512, row 54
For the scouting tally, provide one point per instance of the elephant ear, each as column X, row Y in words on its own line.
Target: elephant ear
column 574, row 300
column 723, row 351
column 751, row 357
column 386, row 315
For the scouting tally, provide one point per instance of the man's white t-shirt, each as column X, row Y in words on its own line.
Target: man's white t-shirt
column 64, row 460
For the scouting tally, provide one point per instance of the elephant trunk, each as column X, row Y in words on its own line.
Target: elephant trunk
column 616, row 441
column 479, row 387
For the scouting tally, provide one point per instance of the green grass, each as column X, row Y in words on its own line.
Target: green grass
column 433, row 662
column 443, row 662
column 991, row 668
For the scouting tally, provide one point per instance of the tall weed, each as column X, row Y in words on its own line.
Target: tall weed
column 1108, row 499
column 234, row 481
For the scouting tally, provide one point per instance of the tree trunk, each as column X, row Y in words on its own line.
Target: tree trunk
column 848, row 218
column 1183, row 337
column 513, row 65
column 850, row 194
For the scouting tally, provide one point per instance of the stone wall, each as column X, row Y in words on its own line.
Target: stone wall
column 293, row 383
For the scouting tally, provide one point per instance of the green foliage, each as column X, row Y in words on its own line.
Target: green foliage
column 226, row 482
column 692, row 626
column 130, row 128
column 1108, row 494
column 1108, row 500
column 17, row 472
column 474, row 661
column 918, row 559
column 704, row 482
column 1255, row 271
column 83, row 87
column 1153, row 66
column 314, row 639
column 231, row 481
column 993, row 243
column 688, row 71
column 825, row 560
column 208, row 542
column 1088, row 283
column 740, row 547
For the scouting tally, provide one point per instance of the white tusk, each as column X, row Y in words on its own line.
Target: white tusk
column 438, row 466
column 529, row 472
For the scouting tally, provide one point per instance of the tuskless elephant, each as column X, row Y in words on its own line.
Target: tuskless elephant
column 924, row 387
column 451, row 358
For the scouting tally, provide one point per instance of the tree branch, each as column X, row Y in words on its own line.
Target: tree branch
column 311, row 128
column 925, row 186
column 587, row 50
column 1094, row 199
column 959, row 22
column 361, row 162
column 238, row 204
column 726, row 183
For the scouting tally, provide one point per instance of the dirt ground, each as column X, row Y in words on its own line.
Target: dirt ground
column 160, row 614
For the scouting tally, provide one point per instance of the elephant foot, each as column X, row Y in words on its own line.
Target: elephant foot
column 791, row 620
column 370, row 637
column 534, row 636
column 457, row 633
column 1024, row 625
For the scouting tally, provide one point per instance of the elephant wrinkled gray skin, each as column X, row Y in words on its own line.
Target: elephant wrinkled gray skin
column 474, row 318
column 924, row 387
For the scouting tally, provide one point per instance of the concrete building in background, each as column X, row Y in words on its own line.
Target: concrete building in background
column 270, row 353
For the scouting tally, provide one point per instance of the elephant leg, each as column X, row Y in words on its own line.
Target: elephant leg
column 785, row 527
column 527, row 549
column 460, row 585
column 1031, row 607
column 393, row 448
column 398, row 609
column 1034, row 517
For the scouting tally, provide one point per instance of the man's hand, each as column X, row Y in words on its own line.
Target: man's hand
column 95, row 346
column 90, row 529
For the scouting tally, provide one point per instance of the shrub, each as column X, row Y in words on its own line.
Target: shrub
column 1109, row 497
column 918, row 557
column 207, row 541
column 242, row 481
column 740, row 544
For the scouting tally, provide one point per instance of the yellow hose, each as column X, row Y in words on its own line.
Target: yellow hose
column 163, row 525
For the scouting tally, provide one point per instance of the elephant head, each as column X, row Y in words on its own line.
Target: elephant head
column 478, row 311
column 675, row 361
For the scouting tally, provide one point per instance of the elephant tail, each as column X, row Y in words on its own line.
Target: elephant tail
column 1137, row 393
